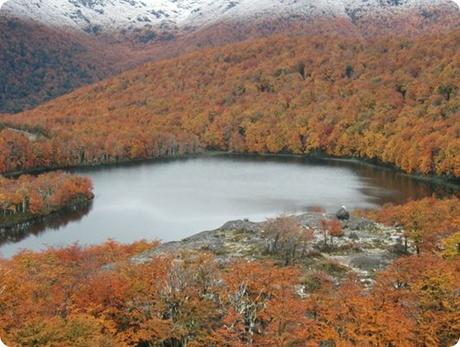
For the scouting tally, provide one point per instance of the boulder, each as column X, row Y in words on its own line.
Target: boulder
column 343, row 214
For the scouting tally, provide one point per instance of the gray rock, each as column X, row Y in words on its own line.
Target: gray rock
column 370, row 262
column 355, row 223
column 343, row 214
column 244, row 225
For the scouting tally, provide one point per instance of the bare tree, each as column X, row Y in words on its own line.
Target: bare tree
column 287, row 238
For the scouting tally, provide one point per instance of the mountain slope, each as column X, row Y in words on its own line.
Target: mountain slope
column 394, row 100
column 50, row 47
column 34, row 71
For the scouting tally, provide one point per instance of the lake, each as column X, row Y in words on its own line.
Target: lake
column 170, row 200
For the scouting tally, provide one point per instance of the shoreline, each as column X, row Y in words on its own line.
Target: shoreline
column 450, row 182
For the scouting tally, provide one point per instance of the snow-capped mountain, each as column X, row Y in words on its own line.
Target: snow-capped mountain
column 108, row 16
column 49, row 47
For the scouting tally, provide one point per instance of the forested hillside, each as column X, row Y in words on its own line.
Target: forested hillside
column 395, row 100
column 39, row 63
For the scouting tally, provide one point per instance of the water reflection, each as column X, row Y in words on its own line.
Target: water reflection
column 396, row 187
column 54, row 222
column 170, row 200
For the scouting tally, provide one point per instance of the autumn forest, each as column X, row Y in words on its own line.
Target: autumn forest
column 388, row 100
column 103, row 298
column 394, row 100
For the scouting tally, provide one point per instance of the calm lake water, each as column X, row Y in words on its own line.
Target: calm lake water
column 170, row 200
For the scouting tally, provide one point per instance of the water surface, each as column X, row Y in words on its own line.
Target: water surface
column 170, row 200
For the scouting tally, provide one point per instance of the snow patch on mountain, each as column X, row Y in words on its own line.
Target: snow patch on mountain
column 96, row 16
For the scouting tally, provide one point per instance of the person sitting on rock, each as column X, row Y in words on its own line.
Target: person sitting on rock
column 343, row 214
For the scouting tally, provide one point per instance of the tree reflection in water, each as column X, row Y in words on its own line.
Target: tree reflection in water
column 45, row 224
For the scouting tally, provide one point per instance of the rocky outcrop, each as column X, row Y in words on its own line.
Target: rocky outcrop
column 364, row 248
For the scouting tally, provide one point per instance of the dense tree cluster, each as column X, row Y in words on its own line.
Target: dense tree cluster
column 29, row 196
column 97, row 296
column 395, row 100
column 105, row 141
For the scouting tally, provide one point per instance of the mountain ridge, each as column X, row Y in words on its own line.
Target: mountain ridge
column 89, row 52
column 115, row 17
